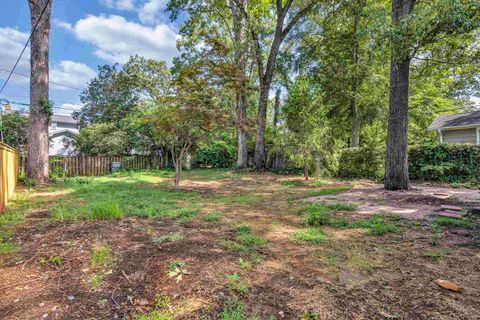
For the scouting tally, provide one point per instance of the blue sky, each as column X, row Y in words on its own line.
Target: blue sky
column 84, row 34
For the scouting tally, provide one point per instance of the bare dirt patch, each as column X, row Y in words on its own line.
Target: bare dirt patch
column 350, row 275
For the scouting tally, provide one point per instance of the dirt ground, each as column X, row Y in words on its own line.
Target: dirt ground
column 349, row 275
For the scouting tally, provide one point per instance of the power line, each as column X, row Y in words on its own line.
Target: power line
column 25, row 47
column 52, row 82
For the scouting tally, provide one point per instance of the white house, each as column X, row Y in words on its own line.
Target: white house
column 62, row 132
column 458, row 128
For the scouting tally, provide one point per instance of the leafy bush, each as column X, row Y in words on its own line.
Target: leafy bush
column 362, row 163
column 215, row 155
column 445, row 162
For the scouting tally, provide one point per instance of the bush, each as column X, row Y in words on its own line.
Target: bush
column 362, row 163
column 445, row 162
column 215, row 155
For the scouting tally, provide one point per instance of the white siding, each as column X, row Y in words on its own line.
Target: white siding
column 460, row 136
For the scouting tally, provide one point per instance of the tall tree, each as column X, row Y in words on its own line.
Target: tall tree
column 225, row 22
column 286, row 16
column 396, row 168
column 412, row 31
column 40, row 107
column 237, row 8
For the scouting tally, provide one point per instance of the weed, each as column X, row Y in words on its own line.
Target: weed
column 185, row 215
column 247, row 264
column 162, row 301
column 250, row 241
column 448, row 222
column 171, row 237
column 310, row 235
column 233, row 246
column 437, row 254
column 243, row 229
column 236, row 284
column 342, row 206
column 328, row 191
column 8, row 247
column 310, row 315
column 317, row 214
column 435, row 239
column 177, row 270
column 292, row 183
column 233, row 310
column 376, row 225
column 212, row 217
column 56, row 260
column 105, row 211
column 96, row 281
column 102, row 258
column 155, row 315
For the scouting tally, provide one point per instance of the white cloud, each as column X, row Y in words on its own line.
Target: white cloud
column 151, row 11
column 119, row 4
column 62, row 24
column 116, row 39
column 70, row 73
column 12, row 42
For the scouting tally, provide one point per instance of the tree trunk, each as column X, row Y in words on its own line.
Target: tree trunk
column 239, row 30
column 276, row 111
column 355, row 123
column 178, row 175
column 38, row 142
column 259, row 157
column 396, row 166
column 353, row 102
column 305, row 170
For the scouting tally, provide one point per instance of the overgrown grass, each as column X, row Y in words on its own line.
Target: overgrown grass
column 328, row 191
column 243, row 199
column 102, row 258
column 233, row 310
column 244, row 241
column 310, row 235
column 447, row 222
column 154, row 315
column 171, row 237
column 319, row 214
column 143, row 194
column 437, row 254
column 212, row 217
column 342, row 206
column 292, row 183
column 237, row 285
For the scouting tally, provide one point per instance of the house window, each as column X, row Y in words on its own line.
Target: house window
column 54, row 126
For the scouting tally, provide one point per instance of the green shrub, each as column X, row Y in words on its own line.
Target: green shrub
column 216, row 155
column 362, row 163
column 445, row 162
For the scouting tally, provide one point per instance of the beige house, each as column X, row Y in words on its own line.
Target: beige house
column 458, row 128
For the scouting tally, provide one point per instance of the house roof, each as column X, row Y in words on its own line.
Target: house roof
column 462, row 120
column 62, row 118
column 63, row 132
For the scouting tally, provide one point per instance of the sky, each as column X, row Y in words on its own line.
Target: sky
column 84, row 34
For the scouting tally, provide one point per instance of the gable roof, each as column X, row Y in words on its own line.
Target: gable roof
column 63, row 132
column 63, row 118
column 462, row 120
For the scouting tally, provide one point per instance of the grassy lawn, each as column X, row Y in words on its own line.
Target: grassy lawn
column 227, row 246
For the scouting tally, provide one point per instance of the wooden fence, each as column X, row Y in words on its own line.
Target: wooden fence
column 9, row 161
column 99, row 165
